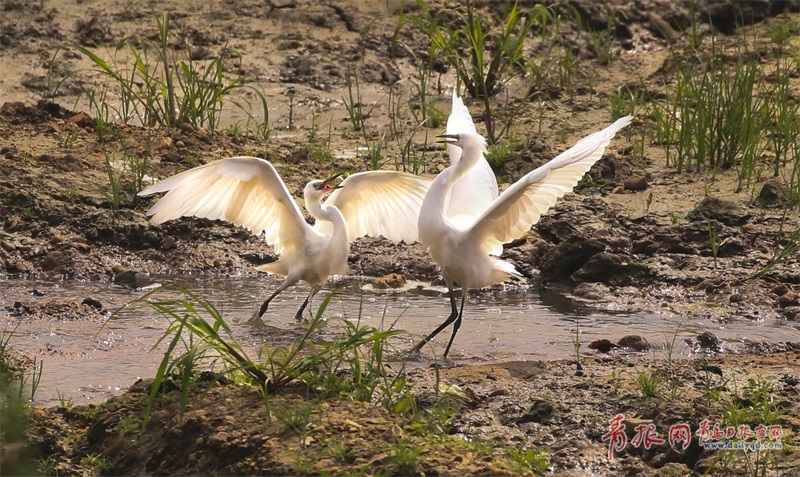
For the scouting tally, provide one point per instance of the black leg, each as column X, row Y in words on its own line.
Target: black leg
column 453, row 316
column 299, row 315
column 283, row 286
column 457, row 324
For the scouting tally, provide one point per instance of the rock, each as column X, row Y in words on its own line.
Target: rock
column 709, row 341
column 639, row 343
column 789, row 299
column 539, row 412
column 723, row 211
column 89, row 301
column 635, row 183
column 132, row 279
column 168, row 243
column 392, row 280
column 163, row 143
column 116, row 269
column 8, row 246
column 567, row 257
column 19, row 267
column 603, row 345
column 773, row 193
column 780, row 289
column 590, row 291
column 612, row 269
column 180, row 144
column 52, row 261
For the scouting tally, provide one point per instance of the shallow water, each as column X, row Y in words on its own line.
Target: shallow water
column 87, row 361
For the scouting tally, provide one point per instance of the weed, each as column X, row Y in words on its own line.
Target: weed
column 296, row 416
column 64, row 401
column 66, row 140
column 405, row 457
column 164, row 91
column 648, row 382
column 780, row 257
column 530, row 460
column 96, row 463
column 498, row 154
column 492, row 56
column 114, row 194
column 714, row 239
column 616, row 380
column 576, row 346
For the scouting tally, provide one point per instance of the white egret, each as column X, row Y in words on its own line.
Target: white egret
column 247, row 191
column 477, row 188
column 467, row 254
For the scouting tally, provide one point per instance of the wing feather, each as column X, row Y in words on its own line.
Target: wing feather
column 521, row 205
column 245, row 191
column 377, row 203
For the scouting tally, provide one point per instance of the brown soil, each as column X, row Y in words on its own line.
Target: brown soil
column 648, row 250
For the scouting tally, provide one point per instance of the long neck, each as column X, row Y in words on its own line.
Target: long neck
column 433, row 213
column 327, row 213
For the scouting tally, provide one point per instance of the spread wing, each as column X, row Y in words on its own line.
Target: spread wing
column 245, row 191
column 521, row 205
column 383, row 203
column 476, row 189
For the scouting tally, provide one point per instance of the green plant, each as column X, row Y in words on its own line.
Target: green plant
column 492, row 56
column 64, row 401
column 530, row 460
column 96, row 463
column 616, row 380
column 713, row 118
column 648, row 382
column 66, row 140
column 114, row 194
column 576, row 346
column 600, row 41
column 780, row 256
column 296, row 416
column 497, row 154
column 164, row 91
column 404, row 455
column 714, row 240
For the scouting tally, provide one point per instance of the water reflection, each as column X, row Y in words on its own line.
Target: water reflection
column 86, row 361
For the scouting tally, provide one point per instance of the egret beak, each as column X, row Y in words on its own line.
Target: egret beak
column 324, row 186
column 448, row 138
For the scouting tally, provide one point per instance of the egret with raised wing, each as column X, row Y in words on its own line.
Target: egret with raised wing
column 247, row 191
column 467, row 253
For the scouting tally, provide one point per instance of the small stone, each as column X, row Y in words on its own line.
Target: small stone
column 37, row 293
column 8, row 246
column 89, row 301
column 180, row 144
column 708, row 340
column 736, row 298
column 780, row 290
column 209, row 262
column 132, row 279
column 639, row 343
column 163, row 143
column 748, row 227
column 392, row 280
column 19, row 267
column 168, row 243
column 117, row 269
column 635, row 183
column 52, row 261
column 602, row 345
column 789, row 299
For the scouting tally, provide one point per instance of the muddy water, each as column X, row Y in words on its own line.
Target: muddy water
column 90, row 359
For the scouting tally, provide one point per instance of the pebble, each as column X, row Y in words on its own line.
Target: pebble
column 168, row 243
column 635, row 183
column 52, row 261
column 639, row 343
column 89, row 301
column 8, row 246
column 20, row 267
column 392, row 280
column 180, row 144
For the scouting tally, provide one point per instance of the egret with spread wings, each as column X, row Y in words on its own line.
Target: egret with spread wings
column 467, row 253
column 248, row 192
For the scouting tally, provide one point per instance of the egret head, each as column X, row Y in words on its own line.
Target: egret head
column 465, row 140
column 318, row 188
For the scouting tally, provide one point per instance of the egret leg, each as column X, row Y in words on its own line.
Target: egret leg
column 283, row 286
column 299, row 315
column 457, row 323
column 453, row 316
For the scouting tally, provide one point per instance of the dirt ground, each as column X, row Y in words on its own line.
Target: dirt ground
column 606, row 245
